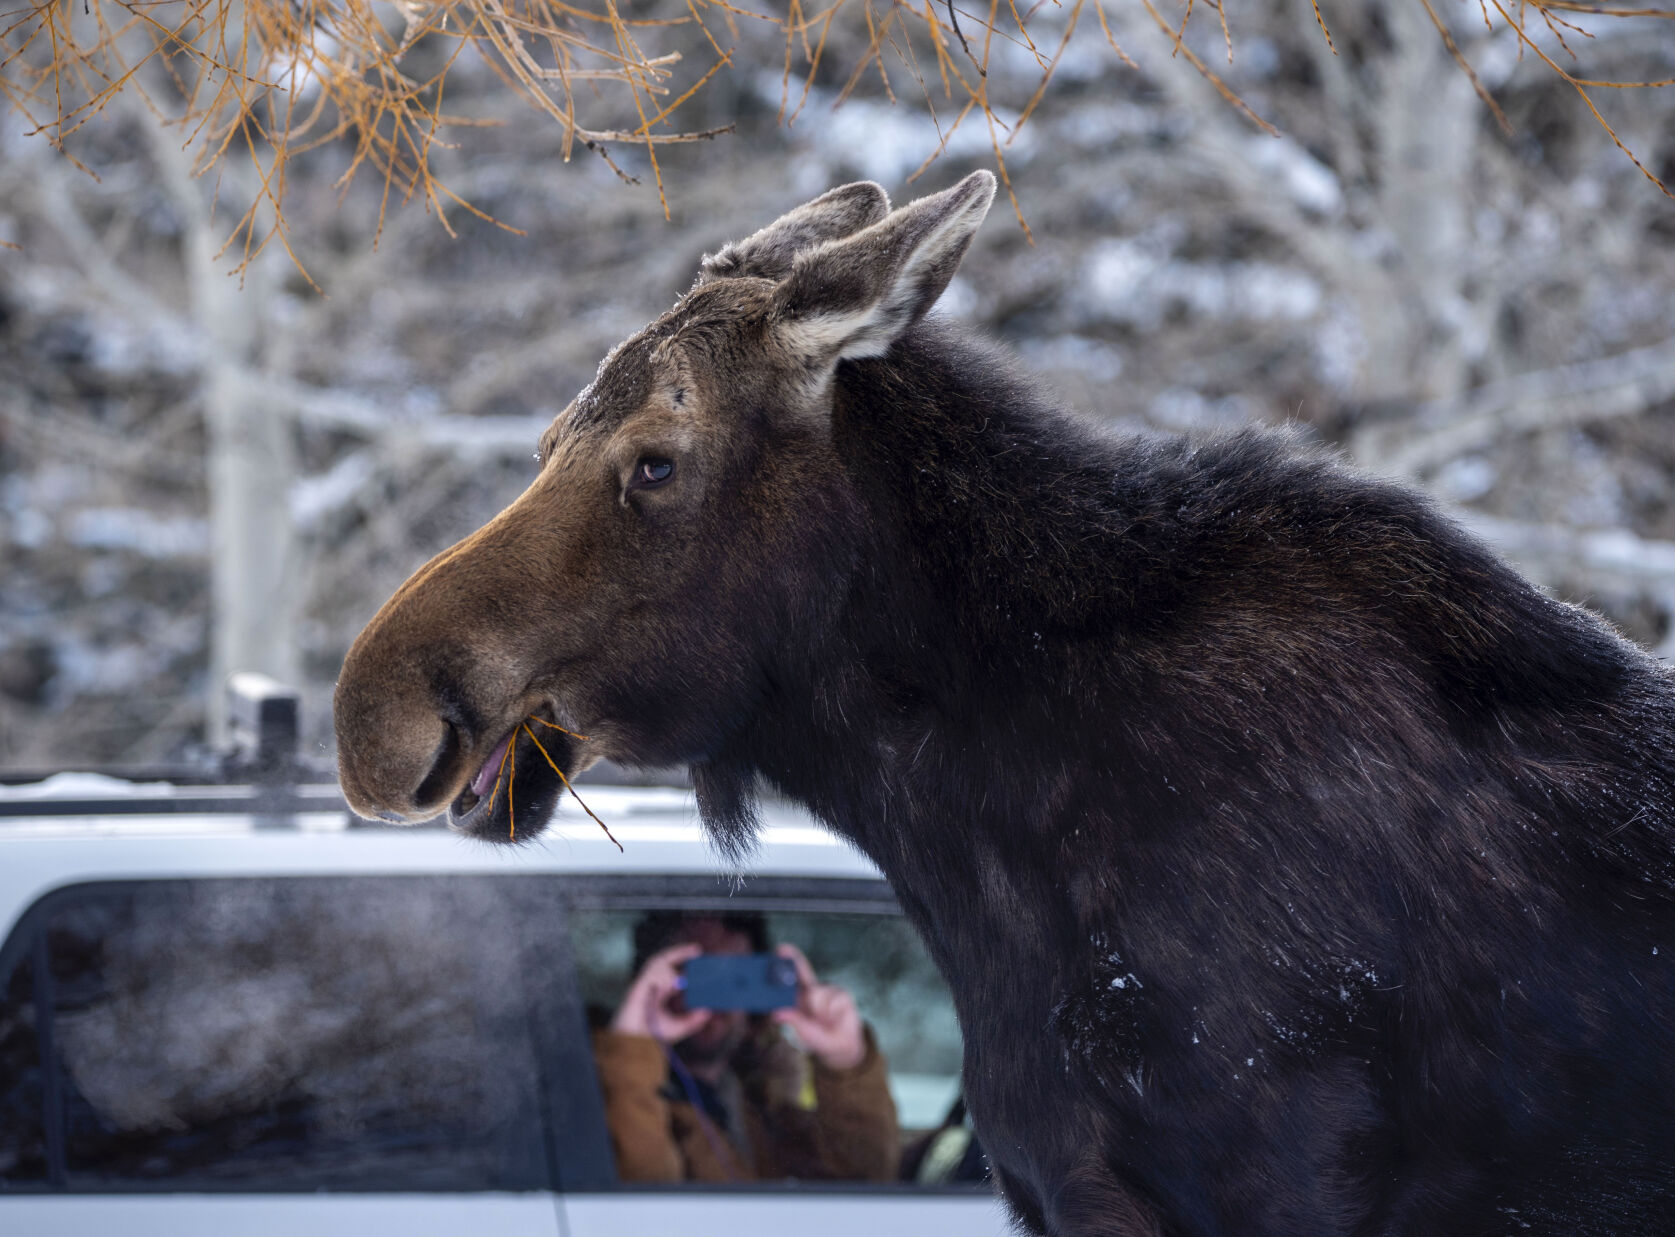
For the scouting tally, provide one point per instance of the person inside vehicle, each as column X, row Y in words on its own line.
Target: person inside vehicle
column 724, row 1096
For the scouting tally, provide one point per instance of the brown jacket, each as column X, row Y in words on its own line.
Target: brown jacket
column 848, row 1133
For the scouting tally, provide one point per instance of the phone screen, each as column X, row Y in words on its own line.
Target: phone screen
column 755, row 983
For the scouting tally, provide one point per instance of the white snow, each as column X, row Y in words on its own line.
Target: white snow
column 1306, row 180
column 1135, row 281
column 318, row 496
column 87, row 786
column 139, row 531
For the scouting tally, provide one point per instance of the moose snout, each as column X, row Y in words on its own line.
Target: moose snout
column 415, row 696
column 395, row 754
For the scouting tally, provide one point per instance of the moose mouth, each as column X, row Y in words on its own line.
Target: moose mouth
column 512, row 795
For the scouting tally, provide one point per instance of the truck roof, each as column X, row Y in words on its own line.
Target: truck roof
column 658, row 829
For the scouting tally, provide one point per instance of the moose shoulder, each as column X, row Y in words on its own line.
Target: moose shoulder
column 1297, row 867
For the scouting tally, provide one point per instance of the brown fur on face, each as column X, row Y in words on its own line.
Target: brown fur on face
column 597, row 587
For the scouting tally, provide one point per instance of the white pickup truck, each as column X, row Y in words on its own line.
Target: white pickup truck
column 220, row 1022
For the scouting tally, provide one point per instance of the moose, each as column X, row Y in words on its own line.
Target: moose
column 1297, row 867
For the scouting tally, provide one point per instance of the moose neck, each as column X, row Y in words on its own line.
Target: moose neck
column 950, row 654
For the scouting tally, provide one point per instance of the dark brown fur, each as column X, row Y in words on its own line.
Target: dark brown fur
column 1296, row 866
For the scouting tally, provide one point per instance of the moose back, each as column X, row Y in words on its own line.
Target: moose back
column 1296, row 866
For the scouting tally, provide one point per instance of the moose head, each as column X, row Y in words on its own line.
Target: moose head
column 691, row 525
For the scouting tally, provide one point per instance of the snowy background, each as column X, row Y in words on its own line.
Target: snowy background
column 198, row 476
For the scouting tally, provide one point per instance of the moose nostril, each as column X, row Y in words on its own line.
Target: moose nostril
column 436, row 781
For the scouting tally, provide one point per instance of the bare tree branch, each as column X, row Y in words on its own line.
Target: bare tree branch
column 1571, row 395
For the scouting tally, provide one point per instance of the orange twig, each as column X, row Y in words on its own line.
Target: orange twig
column 567, row 785
column 238, row 77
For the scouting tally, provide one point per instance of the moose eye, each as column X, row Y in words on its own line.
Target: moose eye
column 649, row 472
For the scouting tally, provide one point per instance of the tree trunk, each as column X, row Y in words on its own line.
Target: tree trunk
column 252, row 462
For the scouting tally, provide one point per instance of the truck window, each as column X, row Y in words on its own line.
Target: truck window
column 674, row 1116
column 23, row 1160
column 353, row 1033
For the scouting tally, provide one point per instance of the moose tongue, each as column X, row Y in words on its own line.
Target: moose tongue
column 491, row 768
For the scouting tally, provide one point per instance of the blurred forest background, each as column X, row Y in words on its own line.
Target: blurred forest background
column 201, row 473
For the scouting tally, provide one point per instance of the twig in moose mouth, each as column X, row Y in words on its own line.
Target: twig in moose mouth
column 554, row 726
column 497, row 773
column 564, row 779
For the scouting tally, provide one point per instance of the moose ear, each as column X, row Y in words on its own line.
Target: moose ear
column 853, row 298
column 768, row 254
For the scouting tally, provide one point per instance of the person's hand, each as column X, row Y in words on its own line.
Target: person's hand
column 824, row 1017
column 646, row 1009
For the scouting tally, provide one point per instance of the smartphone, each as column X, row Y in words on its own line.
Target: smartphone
column 755, row 983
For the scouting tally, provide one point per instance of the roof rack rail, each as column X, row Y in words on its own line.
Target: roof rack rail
column 282, row 802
